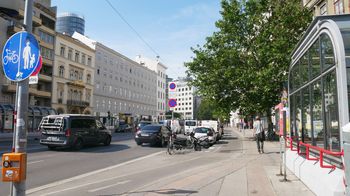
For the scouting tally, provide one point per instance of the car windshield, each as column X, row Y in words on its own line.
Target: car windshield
column 150, row 128
column 201, row 130
column 190, row 123
column 142, row 124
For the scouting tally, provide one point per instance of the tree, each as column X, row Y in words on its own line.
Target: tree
column 244, row 64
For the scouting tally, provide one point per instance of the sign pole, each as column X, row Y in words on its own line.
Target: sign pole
column 285, row 150
column 19, row 188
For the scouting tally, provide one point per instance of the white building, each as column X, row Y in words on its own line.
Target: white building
column 185, row 99
column 160, row 69
column 123, row 87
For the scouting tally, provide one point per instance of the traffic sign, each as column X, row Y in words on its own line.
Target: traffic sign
column 172, row 86
column 172, row 103
column 20, row 56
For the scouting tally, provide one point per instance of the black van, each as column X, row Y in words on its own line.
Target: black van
column 72, row 130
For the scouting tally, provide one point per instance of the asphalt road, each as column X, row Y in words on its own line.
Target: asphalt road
column 121, row 168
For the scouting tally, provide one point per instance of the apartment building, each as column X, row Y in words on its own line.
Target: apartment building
column 160, row 69
column 328, row 7
column 73, row 76
column 44, row 19
column 122, row 86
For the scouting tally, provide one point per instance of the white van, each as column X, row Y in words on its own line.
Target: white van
column 174, row 125
column 190, row 125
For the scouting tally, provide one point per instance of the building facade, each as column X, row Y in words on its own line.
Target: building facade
column 68, row 23
column 327, row 7
column 44, row 19
column 122, row 86
column 160, row 69
column 73, row 76
column 185, row 99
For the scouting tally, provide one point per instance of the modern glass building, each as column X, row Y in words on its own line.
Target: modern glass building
column 319, row 90
column 67, row 23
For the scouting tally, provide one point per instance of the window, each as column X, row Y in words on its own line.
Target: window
column 338, row 7
column 323, row 9
column 70, row 53
column 88, row 78
column 61, row 71
column 315, row 65
column 83, row 61
column 76, row 59
column 327, row 56
column 89, row 60
column 46, row 53
column 62, row 50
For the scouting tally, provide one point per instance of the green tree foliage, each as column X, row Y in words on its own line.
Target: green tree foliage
column 244, row 64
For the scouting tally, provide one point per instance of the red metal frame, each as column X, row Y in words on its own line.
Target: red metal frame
column 321, row 150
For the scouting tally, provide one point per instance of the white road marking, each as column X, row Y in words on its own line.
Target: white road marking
column 40, row 188
column 34, row 162
column 106, row 187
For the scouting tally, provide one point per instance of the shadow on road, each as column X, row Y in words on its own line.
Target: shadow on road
column 162, row 192
column 229, row 138
column 95, row 148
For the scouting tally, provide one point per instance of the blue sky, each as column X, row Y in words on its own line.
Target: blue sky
column 170, row 27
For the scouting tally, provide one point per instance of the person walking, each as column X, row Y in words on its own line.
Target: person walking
column 259, row 134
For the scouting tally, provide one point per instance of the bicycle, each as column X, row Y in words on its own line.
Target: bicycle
column 10, row 57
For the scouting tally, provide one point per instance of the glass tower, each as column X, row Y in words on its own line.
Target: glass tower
column 67, row 23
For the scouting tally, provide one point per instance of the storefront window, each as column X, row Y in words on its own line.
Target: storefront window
column 317, row 119
column 331, row 112
column 298, row 115
column 306, row 116
column 315, row 59
column 292, row 115
column 326, row 52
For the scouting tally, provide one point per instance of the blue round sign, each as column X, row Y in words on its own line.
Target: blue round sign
column 172, row 86
column 172, row 103
column 20, row 56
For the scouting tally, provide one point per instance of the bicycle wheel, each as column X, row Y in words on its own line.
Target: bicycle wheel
column 5, row 60
column 15, row 58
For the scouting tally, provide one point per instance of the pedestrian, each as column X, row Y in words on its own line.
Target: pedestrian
column 259, row 134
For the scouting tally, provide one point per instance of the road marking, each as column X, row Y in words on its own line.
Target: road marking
column 34, row 162
column 40, row 188
column 105, row 187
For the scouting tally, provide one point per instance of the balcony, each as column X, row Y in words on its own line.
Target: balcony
column 12, row 29
column 78, row 103
column 9, row 88
column 36, row 20
column 47, row 61
column 45, row 78
column 77, row 83
column 39, row 93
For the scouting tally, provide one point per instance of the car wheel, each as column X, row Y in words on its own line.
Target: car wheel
column 139, row 143
column 108, row 140
column 51, row 147
column 78, row 144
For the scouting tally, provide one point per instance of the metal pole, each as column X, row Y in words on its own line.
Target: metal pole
column 19, row 188
column 281, row 156
column 285, row 136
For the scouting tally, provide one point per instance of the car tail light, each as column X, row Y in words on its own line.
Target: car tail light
column 68, row 133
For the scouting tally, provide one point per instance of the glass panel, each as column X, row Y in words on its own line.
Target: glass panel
column 331, row 112
column 306, row 116
column 317, row 119
column 326, row 52
column 348, row 85
column 296, row 76
column 315, row 65
column 291, row 81
column 292, row 115
column 298, row 116
column 304, row 68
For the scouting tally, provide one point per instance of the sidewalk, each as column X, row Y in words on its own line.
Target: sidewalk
column 7, row 137
column 259, row 176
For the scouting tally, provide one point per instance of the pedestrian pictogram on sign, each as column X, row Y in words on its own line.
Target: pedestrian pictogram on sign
column 20, row 56
column 172, row 103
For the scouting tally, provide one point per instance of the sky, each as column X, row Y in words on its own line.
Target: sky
column 170, row 27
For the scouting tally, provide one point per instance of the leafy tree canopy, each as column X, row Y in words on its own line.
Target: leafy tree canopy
column 244, row 64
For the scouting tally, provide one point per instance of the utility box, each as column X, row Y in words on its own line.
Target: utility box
column 14, row 167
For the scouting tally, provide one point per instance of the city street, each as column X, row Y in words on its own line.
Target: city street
column 230, row 166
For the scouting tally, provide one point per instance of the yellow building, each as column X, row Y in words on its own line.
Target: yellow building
column 73, row 76
column 328, row 7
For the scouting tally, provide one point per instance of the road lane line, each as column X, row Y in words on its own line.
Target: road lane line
column 106, row 187
column 40, row 188
column 34, row 162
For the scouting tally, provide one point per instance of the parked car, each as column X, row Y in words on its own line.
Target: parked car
column 153, row 134
column 72, row 130
column 215, row 125
column 141, row 124
column 190, row 125
column 209, row 132
column 124, row 128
